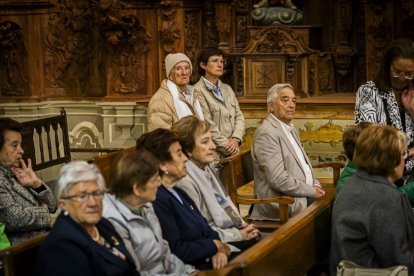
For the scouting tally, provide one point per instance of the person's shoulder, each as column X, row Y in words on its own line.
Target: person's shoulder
column 369, row 85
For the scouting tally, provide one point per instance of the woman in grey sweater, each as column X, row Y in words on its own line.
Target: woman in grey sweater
column 372, row 221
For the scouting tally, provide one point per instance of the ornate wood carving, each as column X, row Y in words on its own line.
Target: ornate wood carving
column 13, row 80
column 209, row 28
column 170, row 29
column 277, row 54
column 223, row 23
column 192, row 41
column 325, row 73
column 88, row 36
column 341, row 50
column 378, row 32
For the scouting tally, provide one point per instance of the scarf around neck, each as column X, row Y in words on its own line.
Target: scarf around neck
column 181, row 107
column 224, row 215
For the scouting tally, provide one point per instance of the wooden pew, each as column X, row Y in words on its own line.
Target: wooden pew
column 19, row 259
column 105, row 162
column 237, row 175
column 293, row 249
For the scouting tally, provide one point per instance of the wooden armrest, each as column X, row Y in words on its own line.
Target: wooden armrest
column 231, row 158
column 283, row 201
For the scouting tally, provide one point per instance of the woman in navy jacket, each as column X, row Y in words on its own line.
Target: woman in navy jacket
column 188, row 233
column 81, row 241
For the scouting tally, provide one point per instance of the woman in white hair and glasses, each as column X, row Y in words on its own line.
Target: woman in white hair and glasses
column 175, row 98
column 81, row 241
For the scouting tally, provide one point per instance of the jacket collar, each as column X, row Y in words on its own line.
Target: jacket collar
column 277, row 124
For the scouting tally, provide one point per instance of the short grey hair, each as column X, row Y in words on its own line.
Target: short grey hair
column 75, row 172
column 273, row 92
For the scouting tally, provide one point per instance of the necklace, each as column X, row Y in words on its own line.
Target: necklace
column 97, row 236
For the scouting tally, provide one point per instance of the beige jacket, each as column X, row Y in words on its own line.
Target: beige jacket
column 277, row 170
column 161, row 111
column 226, row 118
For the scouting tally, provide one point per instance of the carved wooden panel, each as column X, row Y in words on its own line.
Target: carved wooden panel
column 277, row 54
column 263, row 73
column 115, row 49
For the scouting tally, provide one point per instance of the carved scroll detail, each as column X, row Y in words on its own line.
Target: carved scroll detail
column 12, row 56
column 170, row 31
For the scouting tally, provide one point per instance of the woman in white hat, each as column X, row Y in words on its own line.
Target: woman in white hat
column 175, row 98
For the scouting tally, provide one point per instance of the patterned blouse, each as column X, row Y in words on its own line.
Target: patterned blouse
column 375, row 106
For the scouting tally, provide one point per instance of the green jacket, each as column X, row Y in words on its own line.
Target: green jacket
column 350, row 169
column 4, row 242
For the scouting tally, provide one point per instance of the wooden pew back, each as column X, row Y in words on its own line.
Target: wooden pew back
column 105, row 162
column 46, row 142
column 50, row 137
column 292, row 249
column 19, row 259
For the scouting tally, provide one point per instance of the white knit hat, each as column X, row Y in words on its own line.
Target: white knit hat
column 172, row 59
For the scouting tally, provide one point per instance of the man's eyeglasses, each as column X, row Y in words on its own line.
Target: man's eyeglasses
column 218, row 61
column 399, row 74
column 84, row 197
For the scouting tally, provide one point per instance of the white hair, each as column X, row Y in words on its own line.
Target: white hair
column 75, row 172
column 273, row 92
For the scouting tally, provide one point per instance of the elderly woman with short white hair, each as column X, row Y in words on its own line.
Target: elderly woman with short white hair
column 81, row 241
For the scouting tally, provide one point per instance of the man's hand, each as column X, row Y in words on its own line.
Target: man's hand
column 319, row 192
column 233, row 146
column 26, row 176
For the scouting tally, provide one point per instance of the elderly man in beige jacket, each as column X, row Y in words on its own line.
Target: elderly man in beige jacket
column 281, row 166
column 175, row 98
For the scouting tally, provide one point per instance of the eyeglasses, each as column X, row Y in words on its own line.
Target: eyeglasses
column 218, row 61
column 399, row 74
column 84, row 197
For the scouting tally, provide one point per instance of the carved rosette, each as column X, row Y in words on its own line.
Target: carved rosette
column 170, row 32
column 12, row 59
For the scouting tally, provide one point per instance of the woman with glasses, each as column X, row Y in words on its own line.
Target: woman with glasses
column 219, row 103
column 81, row 241
column 134, row 181
column 386, row 100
